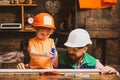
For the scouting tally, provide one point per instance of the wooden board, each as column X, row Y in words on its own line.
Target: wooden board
column 103, row 28
column 50, row 70
column 68, row 74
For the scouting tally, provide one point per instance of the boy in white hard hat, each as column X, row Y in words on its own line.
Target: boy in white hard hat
column 77, row 56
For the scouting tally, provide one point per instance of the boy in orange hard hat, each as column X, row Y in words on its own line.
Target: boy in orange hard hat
column 39, row 47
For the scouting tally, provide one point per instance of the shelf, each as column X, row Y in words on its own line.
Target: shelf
column 27, row 31
column 17, row 30
column 18, row 5
column 63, row 33
column 61, row 49
column 18, row 13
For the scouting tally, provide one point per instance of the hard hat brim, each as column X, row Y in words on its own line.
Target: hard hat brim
column 76, row 45
column 44, row 27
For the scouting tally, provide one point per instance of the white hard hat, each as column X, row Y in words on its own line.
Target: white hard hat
column 78, row 38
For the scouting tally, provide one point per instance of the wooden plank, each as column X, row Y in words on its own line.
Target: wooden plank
column 96, row 71
column 96, row 49
column 103, row 28
column 112, row 53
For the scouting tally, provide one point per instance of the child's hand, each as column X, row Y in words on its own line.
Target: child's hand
column 49, row 54
column 22, row 66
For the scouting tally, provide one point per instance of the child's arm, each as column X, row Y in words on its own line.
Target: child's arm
column 33, row 53
column 55, row 60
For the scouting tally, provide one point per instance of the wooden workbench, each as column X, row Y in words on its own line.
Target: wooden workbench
column 63, row 74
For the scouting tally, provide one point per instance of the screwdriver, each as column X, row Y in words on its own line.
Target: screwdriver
column 53, row 52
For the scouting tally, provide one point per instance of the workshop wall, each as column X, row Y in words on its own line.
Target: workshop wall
column 102, row 24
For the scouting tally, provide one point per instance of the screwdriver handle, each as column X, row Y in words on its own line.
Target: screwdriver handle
column 53, row 52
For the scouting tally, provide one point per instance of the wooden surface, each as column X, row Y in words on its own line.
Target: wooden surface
column 16, row 10
column 37, row 71
column 65, row 76
column 103, row 28
column 36, row 77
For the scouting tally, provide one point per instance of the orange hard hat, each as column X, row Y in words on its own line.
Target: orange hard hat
column 43, row 20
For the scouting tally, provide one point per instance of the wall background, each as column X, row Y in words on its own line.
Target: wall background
column 102, row 24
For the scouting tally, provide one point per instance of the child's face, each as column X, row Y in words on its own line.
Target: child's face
column 44, row 33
